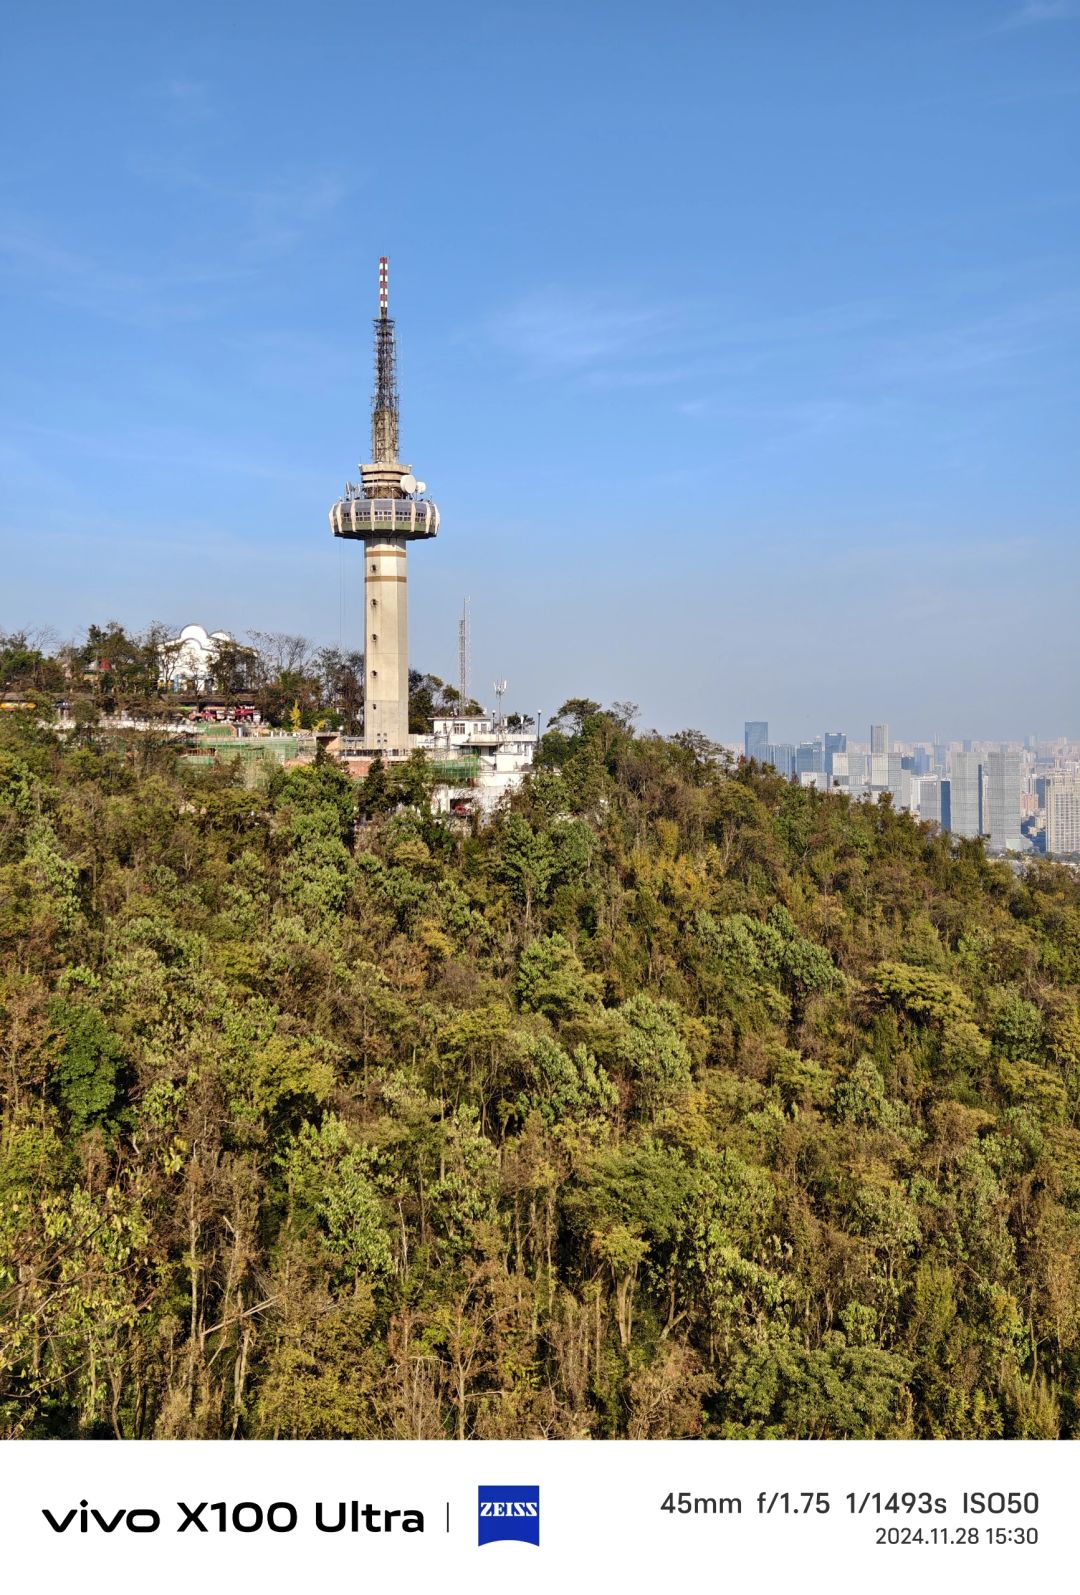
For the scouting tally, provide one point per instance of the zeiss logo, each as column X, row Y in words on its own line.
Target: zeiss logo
column 509, row 1512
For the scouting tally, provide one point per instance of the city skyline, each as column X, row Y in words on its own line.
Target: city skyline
column 838, row 372
column 1018, row 798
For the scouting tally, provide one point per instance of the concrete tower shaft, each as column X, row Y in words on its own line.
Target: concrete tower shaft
column 386, row 644
column 385, row 512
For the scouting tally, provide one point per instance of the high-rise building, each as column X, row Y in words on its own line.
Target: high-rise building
column 809, row 757
column 1063, row 813
column 833, row 742
column 849, row 770
column 1005, row 777
column 879, row 758
column 965, row 792
column 934, row 800
column 755, row 738
column 781, row 755
column 386, row 512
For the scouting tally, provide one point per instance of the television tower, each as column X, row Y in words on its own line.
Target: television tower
column 385, row 512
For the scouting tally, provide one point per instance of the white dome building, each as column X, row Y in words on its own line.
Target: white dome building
column 187, row 661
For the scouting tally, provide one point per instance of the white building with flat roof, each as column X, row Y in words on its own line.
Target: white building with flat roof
column 484, row 758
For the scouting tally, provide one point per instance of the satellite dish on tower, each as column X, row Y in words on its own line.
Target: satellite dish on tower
column 408, row 483
column 421, row 487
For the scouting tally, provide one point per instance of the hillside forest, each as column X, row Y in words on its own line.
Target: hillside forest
column 677, row 1101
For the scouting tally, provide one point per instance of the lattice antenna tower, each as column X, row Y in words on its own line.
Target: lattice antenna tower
column 500, row 694
column 384, row 401
column 463, row 655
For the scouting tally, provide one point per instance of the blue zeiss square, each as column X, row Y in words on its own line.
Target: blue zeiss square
column 509, row 1512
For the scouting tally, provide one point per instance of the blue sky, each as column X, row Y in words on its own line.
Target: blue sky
column 739, row 342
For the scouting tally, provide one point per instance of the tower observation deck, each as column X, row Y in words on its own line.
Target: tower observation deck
column 386, row 511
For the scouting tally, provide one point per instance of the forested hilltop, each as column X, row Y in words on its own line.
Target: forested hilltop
column 677, row 1102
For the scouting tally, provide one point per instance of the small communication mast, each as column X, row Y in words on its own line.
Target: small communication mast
column 463, row 656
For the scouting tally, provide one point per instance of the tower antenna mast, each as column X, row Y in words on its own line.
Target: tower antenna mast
column 384, row 402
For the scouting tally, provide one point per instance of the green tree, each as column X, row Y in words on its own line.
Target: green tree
column 551, row 980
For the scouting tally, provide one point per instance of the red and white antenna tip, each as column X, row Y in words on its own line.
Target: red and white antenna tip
column 384, row 284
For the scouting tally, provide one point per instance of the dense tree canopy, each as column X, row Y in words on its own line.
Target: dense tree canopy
column 679, row 1101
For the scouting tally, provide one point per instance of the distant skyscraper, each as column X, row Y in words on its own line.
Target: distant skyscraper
column 849, row 770
column 809, row 757
column 1062, row 813
column 781, row 755
column 879, row 758
column 1005, row 780
column 934, row 800
column 755, row 737
column 965, row 818
column 833, row 742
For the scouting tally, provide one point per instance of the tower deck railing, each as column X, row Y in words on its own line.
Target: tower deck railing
column 400, row 517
